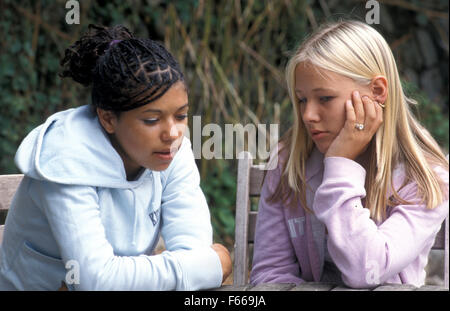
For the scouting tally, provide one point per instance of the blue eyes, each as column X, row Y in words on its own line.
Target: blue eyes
column 155, row 120
column 322, row 99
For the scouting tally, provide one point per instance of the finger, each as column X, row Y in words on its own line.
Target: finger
column 379, row 113
column 359, row 108
column 369, row 110
column 350, row 113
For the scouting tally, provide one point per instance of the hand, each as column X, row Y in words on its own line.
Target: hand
column 225, row 259
column 63, row 287
column 351, row 142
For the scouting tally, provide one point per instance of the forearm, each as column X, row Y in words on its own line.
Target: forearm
column 367, row 253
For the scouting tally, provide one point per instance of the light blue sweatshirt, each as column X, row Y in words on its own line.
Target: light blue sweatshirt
column 75, row 217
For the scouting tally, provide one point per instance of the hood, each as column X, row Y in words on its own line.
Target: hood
column 71, row 147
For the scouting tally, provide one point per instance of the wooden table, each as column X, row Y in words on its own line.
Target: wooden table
column 314, row 286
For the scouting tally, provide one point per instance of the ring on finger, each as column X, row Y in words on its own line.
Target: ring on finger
column 359, row 126
column 381, row 105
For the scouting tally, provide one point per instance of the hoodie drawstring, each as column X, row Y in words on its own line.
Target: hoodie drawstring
column 153, row 204
column 133, row 242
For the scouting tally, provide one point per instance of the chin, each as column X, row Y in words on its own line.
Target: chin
column 322, row 149
column 159, row 167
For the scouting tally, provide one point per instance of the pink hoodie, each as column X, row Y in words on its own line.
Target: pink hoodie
column 290, row 243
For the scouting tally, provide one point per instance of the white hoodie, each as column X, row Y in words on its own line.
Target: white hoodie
column 75, row 217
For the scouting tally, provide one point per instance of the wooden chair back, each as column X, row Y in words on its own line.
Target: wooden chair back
column 249, row 184
column 8, row 187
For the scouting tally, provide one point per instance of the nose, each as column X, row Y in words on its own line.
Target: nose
column 310, row 112
column 171, row 131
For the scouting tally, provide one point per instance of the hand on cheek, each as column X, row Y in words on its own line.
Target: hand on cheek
column 363, row 118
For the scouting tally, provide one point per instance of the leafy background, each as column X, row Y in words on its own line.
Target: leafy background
column 233, row 53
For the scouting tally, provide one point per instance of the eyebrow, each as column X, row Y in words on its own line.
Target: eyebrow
column 317, row 90
column 159, row 111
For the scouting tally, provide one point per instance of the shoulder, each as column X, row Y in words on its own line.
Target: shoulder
column 400, row 176
column 442, row 173
column 277, row 162
column 275, row 182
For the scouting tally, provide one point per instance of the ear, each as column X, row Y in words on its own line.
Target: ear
column 379, row 88
column 107, row 119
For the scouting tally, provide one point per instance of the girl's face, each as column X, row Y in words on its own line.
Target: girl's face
column 321, row 99
column 149, row 136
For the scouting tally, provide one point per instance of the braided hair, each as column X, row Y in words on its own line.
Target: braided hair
column 125, row 72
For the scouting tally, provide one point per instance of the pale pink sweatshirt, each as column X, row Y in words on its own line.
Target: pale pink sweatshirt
column 290, row 244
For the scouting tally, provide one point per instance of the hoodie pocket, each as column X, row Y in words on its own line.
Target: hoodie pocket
column 37, row 271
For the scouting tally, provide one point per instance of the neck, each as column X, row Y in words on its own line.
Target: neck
column 363, row 159
column 132, row 169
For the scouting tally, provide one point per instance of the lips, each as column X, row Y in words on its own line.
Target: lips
column 167, row 151
column 166, row 154
column 316, row 134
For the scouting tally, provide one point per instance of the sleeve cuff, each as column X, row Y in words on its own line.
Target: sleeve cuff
column 201, row 268
column 340, row 167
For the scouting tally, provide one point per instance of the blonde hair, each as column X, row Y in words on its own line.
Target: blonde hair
column 356, row 50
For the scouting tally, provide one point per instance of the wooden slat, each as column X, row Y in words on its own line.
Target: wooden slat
column 241, row 249
column 233, row 288
column 256, row 178
column 319, row 286
column 252, row 226
column 342, row 288
column 313, row 287
column 439, row 242
column 431, row 288
column 395, row 287
column 8, row 186
column 273, row 287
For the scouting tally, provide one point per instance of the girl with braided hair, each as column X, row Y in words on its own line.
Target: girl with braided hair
column 103, row 181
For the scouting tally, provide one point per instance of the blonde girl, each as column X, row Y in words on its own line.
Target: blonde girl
column 361, row 188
